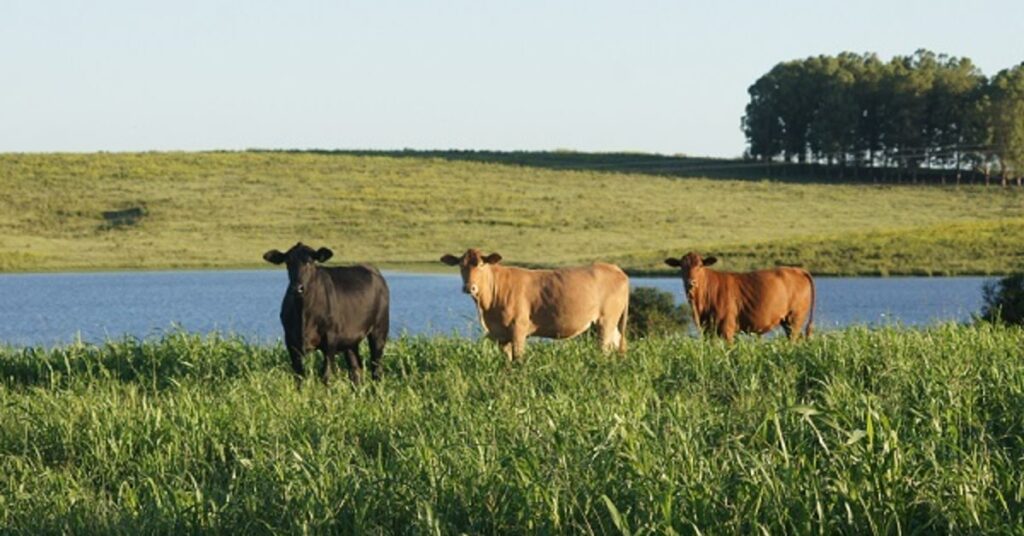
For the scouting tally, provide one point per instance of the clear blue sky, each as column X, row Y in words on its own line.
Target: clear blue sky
column 667, row 77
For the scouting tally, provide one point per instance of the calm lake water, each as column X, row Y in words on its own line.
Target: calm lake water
column 46, row 309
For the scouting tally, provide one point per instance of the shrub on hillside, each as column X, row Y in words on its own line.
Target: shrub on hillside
column 1004, row 300
column 653, row 312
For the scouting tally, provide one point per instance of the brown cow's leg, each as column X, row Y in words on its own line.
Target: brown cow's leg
column 355, row 364
column 788, row 329
column 727, row 330
column 796, row 320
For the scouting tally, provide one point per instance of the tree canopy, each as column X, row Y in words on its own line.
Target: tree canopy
column 922, row 111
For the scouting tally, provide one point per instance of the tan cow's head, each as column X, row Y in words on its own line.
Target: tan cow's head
column 477, row 277
column 691, row 267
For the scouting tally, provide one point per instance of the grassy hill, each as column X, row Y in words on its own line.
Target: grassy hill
column 177, row 210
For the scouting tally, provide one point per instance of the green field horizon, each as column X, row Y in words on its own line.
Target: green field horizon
column 403, row 210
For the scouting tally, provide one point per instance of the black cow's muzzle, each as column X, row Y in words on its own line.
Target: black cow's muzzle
column 299, row 289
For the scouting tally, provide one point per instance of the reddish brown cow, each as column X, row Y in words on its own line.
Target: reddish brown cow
column 515, row 303
column 752, row 302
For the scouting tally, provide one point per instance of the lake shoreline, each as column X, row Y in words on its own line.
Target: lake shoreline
column 427, row 269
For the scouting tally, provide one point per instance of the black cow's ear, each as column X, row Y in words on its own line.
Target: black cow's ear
column 274, row 257
column 673, row 262
column 449, row 259
column 493, row 258
column 710, row 260
column 323, row 254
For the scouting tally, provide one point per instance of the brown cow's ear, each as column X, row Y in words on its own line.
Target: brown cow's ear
column 274, row 257
column 493, row 258
column 675, row 263
column 710, row 260
column 449, row 259
column 323, row 254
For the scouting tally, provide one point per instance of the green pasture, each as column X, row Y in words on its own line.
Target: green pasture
column 224, row 209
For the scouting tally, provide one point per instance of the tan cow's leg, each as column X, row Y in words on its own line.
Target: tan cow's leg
column 610, row 336
column 519, row 333
column 506, row 346
column 518, row 347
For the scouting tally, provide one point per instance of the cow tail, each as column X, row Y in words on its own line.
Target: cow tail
column 622, row 328
column 810, row 317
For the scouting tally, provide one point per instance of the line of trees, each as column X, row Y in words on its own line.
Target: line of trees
column 923, row 114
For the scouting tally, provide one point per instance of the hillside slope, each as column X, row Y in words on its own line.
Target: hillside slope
column 175, row 210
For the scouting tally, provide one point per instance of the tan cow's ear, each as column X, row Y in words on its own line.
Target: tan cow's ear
column 449, row 259
column 675, row 263
column 710, row 260
column 274, row 257
column 493, row 258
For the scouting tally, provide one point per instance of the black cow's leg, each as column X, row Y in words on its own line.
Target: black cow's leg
column 300, row 370
column 377, row 343
column 334, row 362
column 355, row 364
column 328, row 365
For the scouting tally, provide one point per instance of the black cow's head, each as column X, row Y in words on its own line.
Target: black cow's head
column 301, row 262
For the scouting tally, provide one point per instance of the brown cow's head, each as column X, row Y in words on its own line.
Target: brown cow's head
column 300, row 261
column 691, row 267
column 477, row 277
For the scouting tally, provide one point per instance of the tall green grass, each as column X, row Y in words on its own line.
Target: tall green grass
column 855, row 431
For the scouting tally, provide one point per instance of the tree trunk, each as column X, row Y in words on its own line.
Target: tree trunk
column 958, row 170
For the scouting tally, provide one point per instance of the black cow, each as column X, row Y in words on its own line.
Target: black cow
column 333, row 310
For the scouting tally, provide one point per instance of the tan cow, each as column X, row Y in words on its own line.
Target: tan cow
column 752, row 302
column 515, row 303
